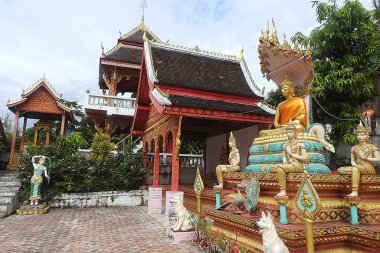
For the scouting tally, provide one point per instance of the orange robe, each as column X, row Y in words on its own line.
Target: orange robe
column 291, row 109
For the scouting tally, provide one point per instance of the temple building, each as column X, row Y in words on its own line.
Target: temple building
column 170, row 94
column 40, row 101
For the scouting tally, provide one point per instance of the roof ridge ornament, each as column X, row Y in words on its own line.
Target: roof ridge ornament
column 241, row 55
column 274, row 38
column 101, row 46
column 143, row 5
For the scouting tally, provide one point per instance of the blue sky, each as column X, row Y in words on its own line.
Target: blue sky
column 62, row 38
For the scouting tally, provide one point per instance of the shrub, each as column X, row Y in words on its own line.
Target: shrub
column 71, row 171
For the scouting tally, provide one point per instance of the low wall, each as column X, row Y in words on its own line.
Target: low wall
column 98, row 199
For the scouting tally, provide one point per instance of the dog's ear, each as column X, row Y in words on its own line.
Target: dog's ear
column 263, row 215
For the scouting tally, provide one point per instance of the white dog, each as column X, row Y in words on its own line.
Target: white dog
column 183, row 222
column 271, row 241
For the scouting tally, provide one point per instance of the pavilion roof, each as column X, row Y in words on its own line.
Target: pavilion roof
column 197, row 69
column 135, row 36
column 13, row 105
column 124, row 53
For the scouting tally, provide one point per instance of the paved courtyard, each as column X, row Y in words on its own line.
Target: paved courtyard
column 105, row 229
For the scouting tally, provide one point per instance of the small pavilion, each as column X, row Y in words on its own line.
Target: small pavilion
column 40, row 101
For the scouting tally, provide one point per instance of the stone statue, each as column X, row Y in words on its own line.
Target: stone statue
column 36, row 180
column 292, row 109
column 184, row 219
column 363, row 157
column 294, row 154
column 233, row 159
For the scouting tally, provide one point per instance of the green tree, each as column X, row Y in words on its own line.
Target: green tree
column 343, row 47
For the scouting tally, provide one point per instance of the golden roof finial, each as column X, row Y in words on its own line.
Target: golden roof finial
column 241, row 55
column 145, row 38
column 266, row 32
column 286, row 46
column 101, row 46
column 308, row 50
column 143, row 5
column 296, row 49
column 274, row 38
column 261, row 36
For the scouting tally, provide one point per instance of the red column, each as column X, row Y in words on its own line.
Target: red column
column 63, row 124
column 23, row 134
column 175, row 163
column 15, row 128
column 156, row 167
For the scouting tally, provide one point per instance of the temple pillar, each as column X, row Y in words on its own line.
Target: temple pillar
column 175, row 162
column 35, row 139
column 156, row 166
column 22, row 144
column 47, row 141
column 63, row 124
column 15, row 129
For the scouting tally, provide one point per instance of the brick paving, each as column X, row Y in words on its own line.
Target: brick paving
column 105, row 229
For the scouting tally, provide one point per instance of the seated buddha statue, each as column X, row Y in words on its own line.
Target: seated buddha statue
column 292, row 109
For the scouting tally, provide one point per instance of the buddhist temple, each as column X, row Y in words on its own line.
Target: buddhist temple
column 40, row 101
column 174, row 93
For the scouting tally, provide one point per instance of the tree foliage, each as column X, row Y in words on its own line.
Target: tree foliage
column 343, row 47
column 74, row 172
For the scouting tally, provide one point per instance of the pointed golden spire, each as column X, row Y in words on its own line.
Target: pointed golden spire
column 261, row 36
column 266, row 32
column 285, row 46
column 296, row 48
column 143, row 6
column 308, row 50
column 274, row 38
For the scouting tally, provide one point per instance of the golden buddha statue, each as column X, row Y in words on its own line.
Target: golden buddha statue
column 363, row 157
column 294, row 154
column 233, row 160
column 292, row 109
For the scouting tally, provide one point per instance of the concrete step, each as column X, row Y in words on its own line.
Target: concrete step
column 9, row 184
column 6, row 200
column 3, row 208
column 9, row 188
column 8, row 194
column 8, row 179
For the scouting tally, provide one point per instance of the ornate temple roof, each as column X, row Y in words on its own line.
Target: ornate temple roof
column 195, row 102
column 199, row 69
column 39, row 99
column 125, row 53
column 136, row 35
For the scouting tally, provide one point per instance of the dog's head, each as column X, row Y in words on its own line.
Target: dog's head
column 265, row 223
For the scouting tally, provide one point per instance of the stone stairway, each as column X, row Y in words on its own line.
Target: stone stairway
column 9, row 196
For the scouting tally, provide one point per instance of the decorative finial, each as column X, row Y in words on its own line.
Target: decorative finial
column 286, row 47
column 308, row 50
column 297, row 49
column 43, row 76
column 145, row 38
column 88, row 91
column 101, row 46
column 143, row 5
column 196, row 48
column 274, row 39
column 261, row 39
column 241, row 55
column 120, row 34
column 266, row 32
